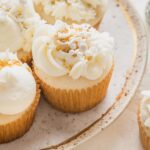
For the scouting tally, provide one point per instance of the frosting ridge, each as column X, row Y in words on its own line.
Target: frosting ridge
column 74, row 50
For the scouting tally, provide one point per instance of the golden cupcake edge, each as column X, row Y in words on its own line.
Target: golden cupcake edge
column 25, row 57
column 145, row 139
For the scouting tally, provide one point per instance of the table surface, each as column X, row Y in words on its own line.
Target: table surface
column 123, row 134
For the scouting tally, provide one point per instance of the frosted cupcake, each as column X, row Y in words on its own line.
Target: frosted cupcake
column 71, row 11
column 18, row 21
column 74, row 64
column 144, row 120
column 19, row 97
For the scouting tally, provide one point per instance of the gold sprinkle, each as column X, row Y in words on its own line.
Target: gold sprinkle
column 88, row 58
column 74, row 55
column 5, row 63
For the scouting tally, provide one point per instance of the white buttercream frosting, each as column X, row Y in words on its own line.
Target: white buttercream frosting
column 75, row 10
column 145, row 109
column 74, row 50
column 11, row 36
column 17, row 85
column 18, row 21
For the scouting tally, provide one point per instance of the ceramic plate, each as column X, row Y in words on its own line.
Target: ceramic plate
column 56, row 130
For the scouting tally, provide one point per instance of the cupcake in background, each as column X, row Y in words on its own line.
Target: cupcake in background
column 18, row 21
column 74, row 64
column 71, row 11
column 144, row 120
column 19, row 97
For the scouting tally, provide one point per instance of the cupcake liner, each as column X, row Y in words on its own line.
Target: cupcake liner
column 96, row 22
column 76, row 100
column 25, row 57
column 145, row 139
column 18, row 127
column 49, row 19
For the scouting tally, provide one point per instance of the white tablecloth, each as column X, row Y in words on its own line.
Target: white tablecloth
column 123, row 134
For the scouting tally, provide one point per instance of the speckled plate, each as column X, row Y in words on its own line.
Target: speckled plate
column 56, row 130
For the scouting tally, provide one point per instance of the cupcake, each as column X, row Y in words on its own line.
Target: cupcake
column 144, row 120
column 18, row 21
column 71, row 11
column 19, row 97
column 74, row 64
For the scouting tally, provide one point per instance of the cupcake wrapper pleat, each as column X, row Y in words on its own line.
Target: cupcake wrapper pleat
column 145, row 139
column 76, row 100
column 25, row 58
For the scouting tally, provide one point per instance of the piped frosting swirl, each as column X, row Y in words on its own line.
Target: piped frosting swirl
column 74, row 50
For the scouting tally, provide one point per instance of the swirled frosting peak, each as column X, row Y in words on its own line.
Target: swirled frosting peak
column 145, row 108
column 17, row 85
column 74, row 50
column 18, row 21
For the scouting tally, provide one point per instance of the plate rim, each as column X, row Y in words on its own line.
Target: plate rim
column 96, row 127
